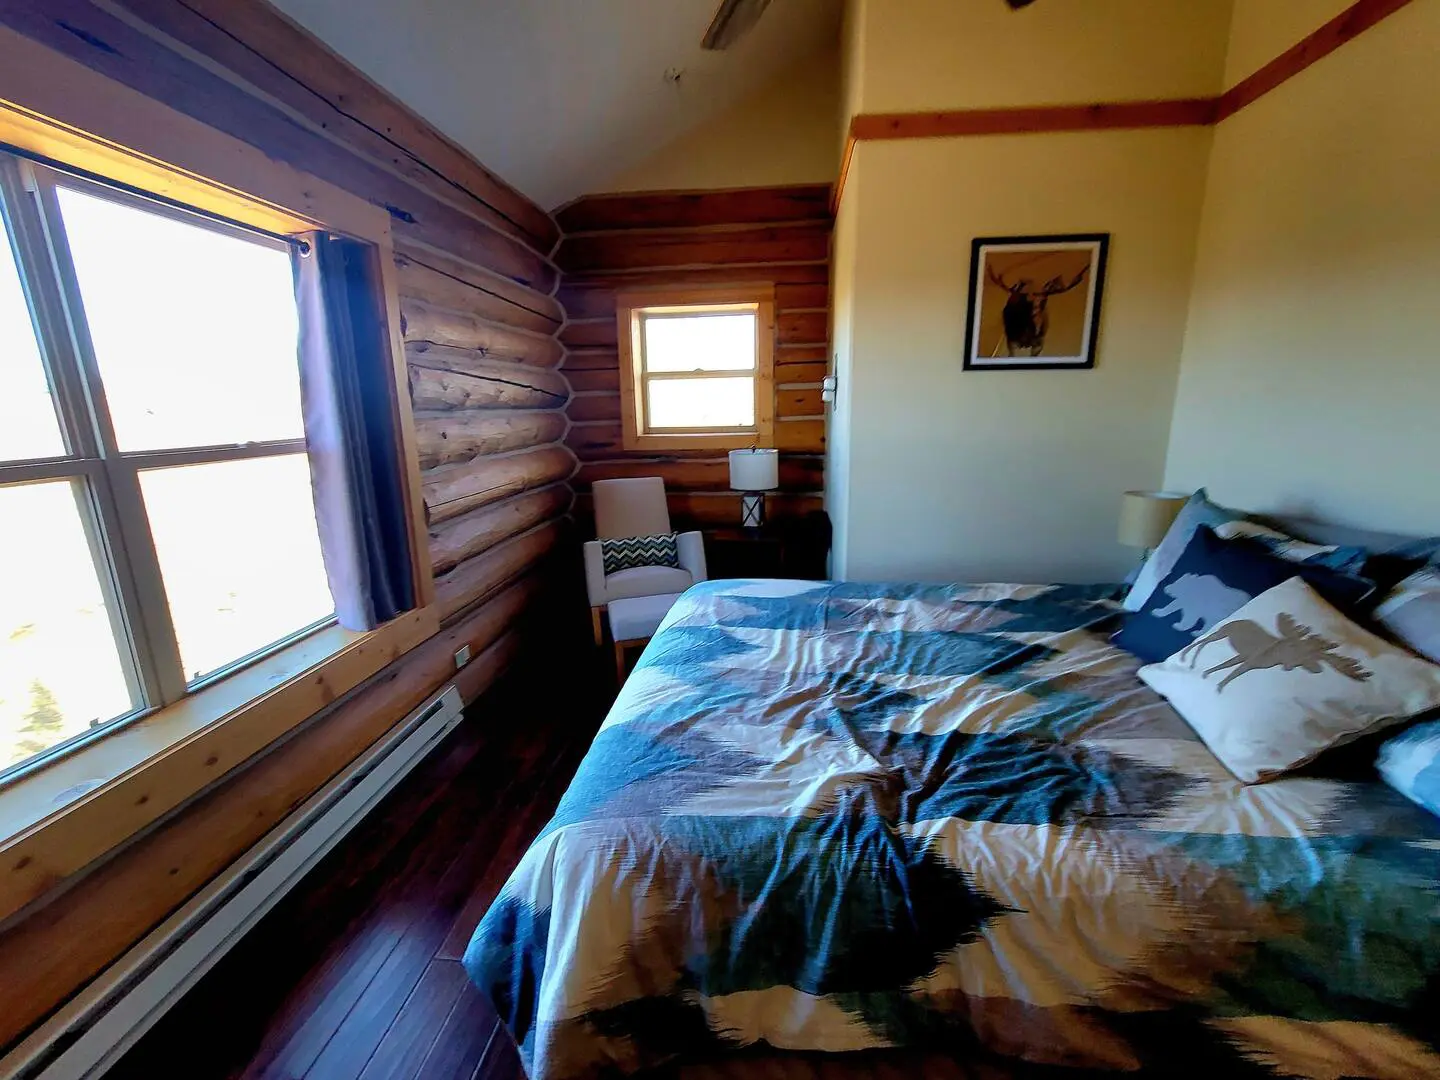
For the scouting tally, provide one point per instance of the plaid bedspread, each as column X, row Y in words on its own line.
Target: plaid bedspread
column 837, row 816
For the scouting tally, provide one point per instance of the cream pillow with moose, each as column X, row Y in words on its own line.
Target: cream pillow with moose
column 1287, row 677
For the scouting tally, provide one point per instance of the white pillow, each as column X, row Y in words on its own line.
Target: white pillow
column 1287, row 677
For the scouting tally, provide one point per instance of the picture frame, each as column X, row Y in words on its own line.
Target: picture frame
column 1035, row 301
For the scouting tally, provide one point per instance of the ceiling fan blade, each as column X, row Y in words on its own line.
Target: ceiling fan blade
column 733, row 20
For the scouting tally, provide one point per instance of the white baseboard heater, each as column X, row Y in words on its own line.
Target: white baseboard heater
column 95, row 1028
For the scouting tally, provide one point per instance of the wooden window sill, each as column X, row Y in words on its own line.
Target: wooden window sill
column 719, row 440
column 61, row 817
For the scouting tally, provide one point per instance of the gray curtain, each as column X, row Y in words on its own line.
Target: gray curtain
column 345, row 381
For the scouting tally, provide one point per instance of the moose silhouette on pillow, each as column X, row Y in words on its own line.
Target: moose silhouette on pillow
column 1294, row 648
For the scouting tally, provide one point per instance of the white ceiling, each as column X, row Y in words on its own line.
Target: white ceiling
column 557, row 96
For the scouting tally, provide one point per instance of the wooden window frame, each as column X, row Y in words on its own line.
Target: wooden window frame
column 70, row 810
column 630, row 308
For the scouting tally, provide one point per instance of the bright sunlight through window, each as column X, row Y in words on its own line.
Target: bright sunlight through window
column 154, row 486
column 698, row 370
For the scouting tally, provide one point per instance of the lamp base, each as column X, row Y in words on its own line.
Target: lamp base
column 752, row 510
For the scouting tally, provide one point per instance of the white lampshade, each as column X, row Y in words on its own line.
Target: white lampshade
column 754, row 470
column 1146, row 516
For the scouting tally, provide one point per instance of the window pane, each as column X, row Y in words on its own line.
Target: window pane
column 194, row 330
column 699, row 342
column 701, row 403
column 28, row 427
column 60, row 669
column 239, row 553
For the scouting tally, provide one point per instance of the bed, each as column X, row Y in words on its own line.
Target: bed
column 841, row 817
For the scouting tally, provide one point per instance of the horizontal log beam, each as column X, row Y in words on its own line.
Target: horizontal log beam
column 486, row 386
column 462, row 435
column 699, row 510
column 452, row 490
column 590, row 360
column 812, row 372
column 481, row 278
column 688, row 248
column 92, row 921
column 797, row 474
column 592, row 441
column 679, row 277
column 285, row 62
column 464, row 537
column 422, row 323
column 477, row 578
column 801, row 354
column 417, row 281
column 681, row 209
column 803, row 327
column 591, row 333
column 604, row 380
column 800, row 436
column 586, row 407
column 804, row 295
column 804, row 402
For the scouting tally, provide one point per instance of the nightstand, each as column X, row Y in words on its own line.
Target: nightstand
column 795, row 548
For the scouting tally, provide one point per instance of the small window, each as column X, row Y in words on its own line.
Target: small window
column 157, row 528
column 697, row 368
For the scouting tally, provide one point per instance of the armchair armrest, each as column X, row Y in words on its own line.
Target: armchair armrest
column 691, row 546
column 595, row 573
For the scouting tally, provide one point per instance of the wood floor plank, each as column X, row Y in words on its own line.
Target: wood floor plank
column 431, row 899
column 343, row 977
column 510, row 845
column 460, row 1047
column 408, row 1040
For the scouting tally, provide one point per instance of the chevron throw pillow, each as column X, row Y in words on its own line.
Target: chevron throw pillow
column 628, row 552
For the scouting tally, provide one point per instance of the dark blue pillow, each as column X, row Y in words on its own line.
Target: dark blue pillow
column 1212, row 580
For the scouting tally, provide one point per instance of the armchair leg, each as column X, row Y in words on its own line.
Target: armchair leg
column 619, row 664
column 595, row 623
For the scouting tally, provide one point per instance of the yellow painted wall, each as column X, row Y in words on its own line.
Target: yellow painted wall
column 947, row 474
column 1261, row 30
column 1310, row 380
column 785, row 133
column 1009, row 475
column 968, row 54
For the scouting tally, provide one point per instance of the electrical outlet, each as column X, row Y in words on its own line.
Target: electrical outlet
column 462, row 656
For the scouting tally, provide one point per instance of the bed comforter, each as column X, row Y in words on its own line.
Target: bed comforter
column 836, row 817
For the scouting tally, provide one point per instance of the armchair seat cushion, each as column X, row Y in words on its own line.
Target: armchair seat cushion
column 646, row 581
column 639, row 617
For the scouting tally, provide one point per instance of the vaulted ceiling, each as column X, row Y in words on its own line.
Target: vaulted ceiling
column 557, row 96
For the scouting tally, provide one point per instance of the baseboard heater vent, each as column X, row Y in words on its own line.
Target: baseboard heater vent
column 92, row 1031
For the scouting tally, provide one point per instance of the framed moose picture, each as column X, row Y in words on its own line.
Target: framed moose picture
column 1035, row 301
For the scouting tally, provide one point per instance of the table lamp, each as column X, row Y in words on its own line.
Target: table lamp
column 1146, row 516
column 754, row 472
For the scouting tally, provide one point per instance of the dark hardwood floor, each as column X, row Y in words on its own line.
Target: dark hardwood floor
column 356, row 972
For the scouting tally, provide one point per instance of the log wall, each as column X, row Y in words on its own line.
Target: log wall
column 474, row 284
column 778, row 236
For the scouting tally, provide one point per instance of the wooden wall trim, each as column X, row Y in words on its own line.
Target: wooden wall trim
column 1117, row 115
column 1345, row 27
column 1027, row 120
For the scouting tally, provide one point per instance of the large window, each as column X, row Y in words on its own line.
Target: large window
column 157, row 528
column 696, row 368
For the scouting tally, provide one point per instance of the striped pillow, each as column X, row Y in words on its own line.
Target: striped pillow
column 628, row 552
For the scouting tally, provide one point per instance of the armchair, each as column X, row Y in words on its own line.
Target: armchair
column 636, row 507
